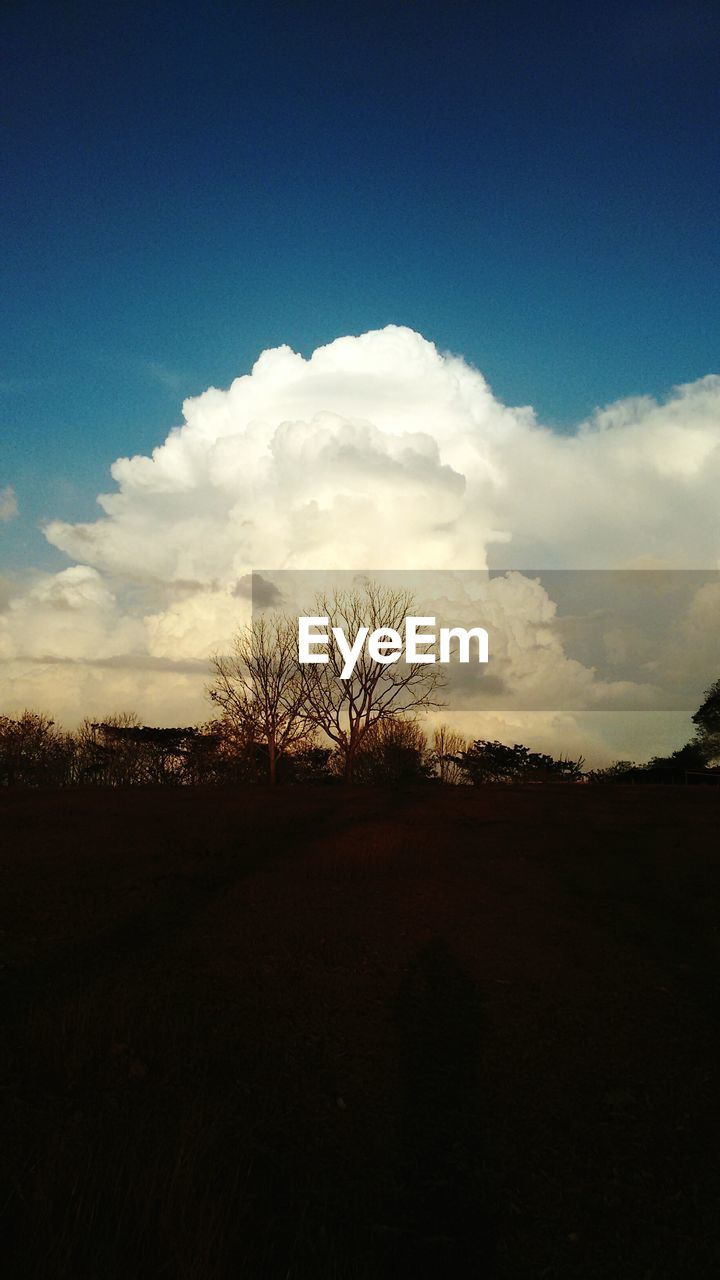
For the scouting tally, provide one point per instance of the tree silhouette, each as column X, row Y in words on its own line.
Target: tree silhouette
column 707, row 722
column 394, row 753
column 33, row 751
column 347, row 710
column 486, row 761
column 447, row 746
column 260, row 690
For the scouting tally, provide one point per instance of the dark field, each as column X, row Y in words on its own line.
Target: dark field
column 342, row 1033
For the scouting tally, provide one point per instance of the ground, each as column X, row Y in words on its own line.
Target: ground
column 348, row 1033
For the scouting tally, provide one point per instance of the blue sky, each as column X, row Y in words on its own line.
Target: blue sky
column 534, row 187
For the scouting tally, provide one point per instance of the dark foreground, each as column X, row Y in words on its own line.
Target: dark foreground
column 354, row 1034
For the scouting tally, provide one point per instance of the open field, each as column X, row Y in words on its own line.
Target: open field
column 351, row 1034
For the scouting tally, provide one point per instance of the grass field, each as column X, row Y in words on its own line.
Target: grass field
column 347, row 1033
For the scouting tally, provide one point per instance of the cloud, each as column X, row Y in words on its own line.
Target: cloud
column 379, row 451
column 8, row 504
column 72, row 616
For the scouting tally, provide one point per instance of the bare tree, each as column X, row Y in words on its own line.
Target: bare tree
column 260, row 690
column 347, row 710
column 446, row 745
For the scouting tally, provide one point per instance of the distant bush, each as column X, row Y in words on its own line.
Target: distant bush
column 486, row 761
column 619, row 771
column 394, row 753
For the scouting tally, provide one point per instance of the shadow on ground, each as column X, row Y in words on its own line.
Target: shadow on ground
column 444, row 1201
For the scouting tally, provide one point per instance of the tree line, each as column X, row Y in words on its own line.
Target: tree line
column 277, row 720
column 120, row 752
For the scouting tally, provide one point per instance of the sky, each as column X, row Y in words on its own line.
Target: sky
column 532, row 189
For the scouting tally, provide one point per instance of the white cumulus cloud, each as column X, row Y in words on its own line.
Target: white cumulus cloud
column 377, row 452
